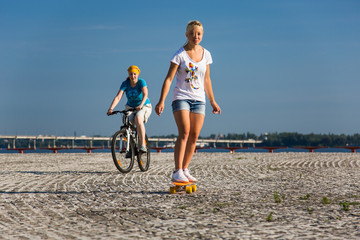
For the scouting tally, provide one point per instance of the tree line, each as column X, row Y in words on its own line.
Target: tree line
column 294, row 139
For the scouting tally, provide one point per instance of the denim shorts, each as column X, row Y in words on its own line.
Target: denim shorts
column 193, row 106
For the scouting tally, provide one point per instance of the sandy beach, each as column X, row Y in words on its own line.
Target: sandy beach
column 240, row 196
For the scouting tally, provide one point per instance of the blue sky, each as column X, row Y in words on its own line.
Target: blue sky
column 279, row 65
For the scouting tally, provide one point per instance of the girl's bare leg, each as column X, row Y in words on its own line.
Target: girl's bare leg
column 196, row 123
column 182, row 119
column 140, row 129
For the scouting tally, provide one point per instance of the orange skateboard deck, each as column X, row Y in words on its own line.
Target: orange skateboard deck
column 189, row 187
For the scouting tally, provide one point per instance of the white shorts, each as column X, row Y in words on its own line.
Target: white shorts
column 145, row 113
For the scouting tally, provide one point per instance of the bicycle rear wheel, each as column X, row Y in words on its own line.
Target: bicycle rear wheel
column 123, row 159
column 144, row 158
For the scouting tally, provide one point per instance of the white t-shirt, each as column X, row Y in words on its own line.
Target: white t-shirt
column 190, row 76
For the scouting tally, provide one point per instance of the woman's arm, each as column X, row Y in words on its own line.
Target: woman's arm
column 166, row 87
column 209, row 91
column 145, row 93
column 115, row 102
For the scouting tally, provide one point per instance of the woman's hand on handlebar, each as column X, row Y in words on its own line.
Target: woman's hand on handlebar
column 138, row 108
column 109, row 112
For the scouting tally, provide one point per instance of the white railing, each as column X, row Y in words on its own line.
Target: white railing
column 13, row 138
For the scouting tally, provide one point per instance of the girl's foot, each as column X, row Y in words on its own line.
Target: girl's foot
column 178, row 176
column 143, row 149
column 188, row 176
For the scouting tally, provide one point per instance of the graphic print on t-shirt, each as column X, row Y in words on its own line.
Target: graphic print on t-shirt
column 191, row 77
column 132, row 95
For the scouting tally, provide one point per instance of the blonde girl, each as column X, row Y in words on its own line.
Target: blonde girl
column 191, row 66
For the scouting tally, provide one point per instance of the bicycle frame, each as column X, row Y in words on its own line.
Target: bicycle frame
column 128, row 127
column 124, row 153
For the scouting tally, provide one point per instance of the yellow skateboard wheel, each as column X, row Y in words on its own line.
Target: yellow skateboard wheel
column 193, row 188
column 172, row 190
column 188, row 189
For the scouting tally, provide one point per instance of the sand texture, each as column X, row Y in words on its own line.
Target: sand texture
column 240, row 196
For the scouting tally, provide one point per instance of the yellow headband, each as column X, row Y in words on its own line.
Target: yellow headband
column 134, row 68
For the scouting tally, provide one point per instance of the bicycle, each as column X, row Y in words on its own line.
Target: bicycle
column 125, row 146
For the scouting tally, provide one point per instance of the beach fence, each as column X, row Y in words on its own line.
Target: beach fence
column 23, row 143
column 52, row 143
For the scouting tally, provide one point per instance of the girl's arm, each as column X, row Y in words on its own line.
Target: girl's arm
column 209, row 91
column 145, row 96
column 116, row 100
column 159, row 108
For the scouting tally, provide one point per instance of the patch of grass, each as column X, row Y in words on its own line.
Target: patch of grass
column 269, row 218
column 325, row 200
column 277, row 197
column 183, row 207
column 345, row 206
column 310, row 210
column 306, row 197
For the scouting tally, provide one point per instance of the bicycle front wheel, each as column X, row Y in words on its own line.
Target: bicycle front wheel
column 144, row 158
column 123, row 151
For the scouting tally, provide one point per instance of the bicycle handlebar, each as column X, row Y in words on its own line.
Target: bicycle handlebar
column 114, row 112
column 123, row 111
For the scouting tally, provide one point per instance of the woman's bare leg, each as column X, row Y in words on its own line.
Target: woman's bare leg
column 196, row 123
column 140, row 129
column 182, row 119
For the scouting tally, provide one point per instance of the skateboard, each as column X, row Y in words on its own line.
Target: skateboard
column 189, row 187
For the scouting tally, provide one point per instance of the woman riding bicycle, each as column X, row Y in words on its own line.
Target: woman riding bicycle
column 136, row 92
